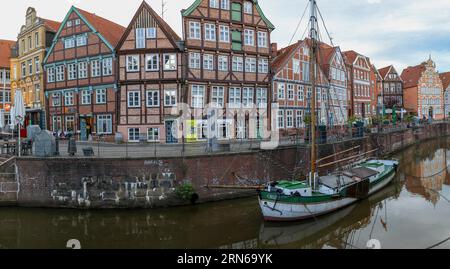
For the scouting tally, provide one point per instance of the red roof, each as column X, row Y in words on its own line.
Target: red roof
column 108, row 29
column 384, row 71
column 5, row 52
column 52, row 25
column 283, row 55
column 350, row 56
column 445, row 77
column 412, row 75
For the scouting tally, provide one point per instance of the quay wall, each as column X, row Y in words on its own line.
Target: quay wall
column 151, row 182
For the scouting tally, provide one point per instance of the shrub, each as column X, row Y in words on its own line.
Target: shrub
column 185, row 191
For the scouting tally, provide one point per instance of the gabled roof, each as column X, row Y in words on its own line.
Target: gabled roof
column 165, row 27
column 384, row 71
column 350, row 56
column 412, row 75
column 187, row 12
column 108, row 31
column 284, row 55
column 445, row 77
column 52, row 26
column 5, row 52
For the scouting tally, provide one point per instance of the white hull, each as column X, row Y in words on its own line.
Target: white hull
column 290, row 211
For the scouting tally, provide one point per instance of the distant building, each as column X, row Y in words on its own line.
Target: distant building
column 151, row 66
column 423, row 91
column 391, row 89
column 5, row 78
column 81, row 80
column 445, row 78
column 34, row 38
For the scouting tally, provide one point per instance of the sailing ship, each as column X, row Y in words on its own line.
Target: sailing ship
column 319, row 195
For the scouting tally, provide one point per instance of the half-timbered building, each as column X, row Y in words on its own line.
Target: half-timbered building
column 228, row 55
column 392, row 88
column 151, row 78
column 81, row 87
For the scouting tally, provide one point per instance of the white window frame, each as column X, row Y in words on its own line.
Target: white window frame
column 290, row 92
column 107, row 66
column 224, row 35
column 248, row 96
column 170, row 62
column 101, row 119
column 223, row 63
column 153, row 134
column 56, row 99
column 198, row 96
column 250, row 65
column 225, row 4
column 208, row 62
column 140, row 38
column 72, row 71
column 154, row 59
column 280, row 119
column 289, row 118
column 261, row 97
column 194, row 60
column 150, row 33
column 86, row 97
column 235, row 96
column 194, row 30
column 248, row 7
column 210, row 32
column 281, row 91
column 60, row 73
column 249, row 37
column 263, row 65
column 51, row 74
column 69, row 42
column 132, row 63
column 101, row 96
column 68, row 99
column 81, row 40
column 238, row 64
column 152, row 98
column 218, row 96
column 132, row 134
column 96, row 68
column 170, row 97
column 262, row 40
column 83, row 70
column 134, row 99
column 214, row 3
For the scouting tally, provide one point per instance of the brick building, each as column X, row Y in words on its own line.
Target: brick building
column 445, row 78
column 5, row 79
column 391, row 88
column 228, row 56
column 151, row 66
column 80, row 68
column 423, row 91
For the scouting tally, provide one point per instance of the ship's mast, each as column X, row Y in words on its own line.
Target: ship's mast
column 313, row 35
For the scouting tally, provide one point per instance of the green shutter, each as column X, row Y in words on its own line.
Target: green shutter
column 236, row 38
column 236, row 12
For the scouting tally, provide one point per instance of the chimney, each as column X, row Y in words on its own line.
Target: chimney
column 273, row 50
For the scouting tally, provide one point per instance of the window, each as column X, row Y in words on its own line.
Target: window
column 134, row 99
column 236, row 12
column 30, row 67
column 36, row 39
column 289, row 119
column 24, row 69
column 218, row 95
column 194, row 30
column 133, row 134
column 263, row 66
column 107, row 67
column 56, row 99
column 95, row 68
column 305, row 73
column 208, row 62
column 72, row 71
column 250, row 65
column 69, row 23
column 82, row 70
column 170, row 97
column 30, row 44
column 300, row 94
column 290, row 92
column 104, row 124
column 238, row 63
column 77, row 22
column 140, row 38
column 234, row 97
column 262, row 39
column 37, row 88
column 170, row 62
column 133, row 63
column 51, row 74
column 261, row 97
column 100, row 95
column 194, row 60
column 37, row 65
column 69, row 42
column 68, row 99
column 56, row 123
column 153, row 134
column 236, row 38
column 225, row 4
column 248, row 7
column 153, row 98
column 214, row 3
column 81, row 40
column 296, row 66
column 280, row 119
column 224, row 33
column 60, row 73
column 281, row 91
column 152, row 62
column 197, row 96
column 223, row 63
column 249, row 37
column 299, row 119
column 70, row 124
column 86, row 97
column 247, row 96
column 151, row 33
column 210, row 32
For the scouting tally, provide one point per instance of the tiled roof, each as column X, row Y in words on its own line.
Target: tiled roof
column 5, row 52
column 445, row 77
column 412, row 74
column 52, row 25
column 384, row 71
column 108, row 29
column 284, row 55
column 350, row 56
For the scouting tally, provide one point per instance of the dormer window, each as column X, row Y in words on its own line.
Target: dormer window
column 248, row 7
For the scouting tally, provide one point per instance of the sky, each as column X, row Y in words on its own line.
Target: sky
column 398, row 32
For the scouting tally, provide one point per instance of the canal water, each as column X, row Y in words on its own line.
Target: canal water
column 412, row 212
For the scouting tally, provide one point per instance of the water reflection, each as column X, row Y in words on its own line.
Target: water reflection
column 410, row 213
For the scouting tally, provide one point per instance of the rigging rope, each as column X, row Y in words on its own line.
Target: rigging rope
column 298, row 25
